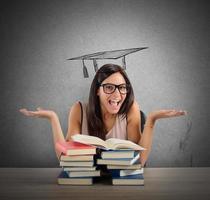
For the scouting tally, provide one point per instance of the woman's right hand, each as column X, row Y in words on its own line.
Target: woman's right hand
column 42, row 113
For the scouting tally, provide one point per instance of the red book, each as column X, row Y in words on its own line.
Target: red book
column 74, row 148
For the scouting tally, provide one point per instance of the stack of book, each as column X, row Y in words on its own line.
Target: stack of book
column 124, row 166
column 77, row 162
column 121, row 157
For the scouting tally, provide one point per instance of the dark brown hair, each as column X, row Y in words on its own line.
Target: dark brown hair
column 94, row 118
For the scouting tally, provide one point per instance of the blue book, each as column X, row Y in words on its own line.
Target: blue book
column 126, row 172
column 136, row 165
column 64, row 179
column 128, row 180
column 118, row 161
column 125, row 153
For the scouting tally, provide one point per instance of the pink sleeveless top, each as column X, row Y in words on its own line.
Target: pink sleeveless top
column 119, row 130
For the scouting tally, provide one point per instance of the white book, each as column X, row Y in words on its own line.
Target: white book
column 129, row 180
column 134, row 166
column 112, row 143
column 127, row 172
column 84, row 174
column 118, row 154
column 63, row 179
column 76, row 158
column 74, row 169
column 121, row 161
column 76, row 163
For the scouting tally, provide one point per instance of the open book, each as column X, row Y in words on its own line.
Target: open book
column 109, row 144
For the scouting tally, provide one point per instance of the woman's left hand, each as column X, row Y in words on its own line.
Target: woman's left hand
column 159, row 114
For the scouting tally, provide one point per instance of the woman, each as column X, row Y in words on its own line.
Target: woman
column 110, row 112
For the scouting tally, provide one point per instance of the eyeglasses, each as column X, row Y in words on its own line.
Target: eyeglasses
column 110, row 88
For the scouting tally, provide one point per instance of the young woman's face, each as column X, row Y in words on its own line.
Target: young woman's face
column 112, row 93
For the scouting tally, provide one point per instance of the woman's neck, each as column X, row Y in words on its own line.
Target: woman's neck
column 106, row 115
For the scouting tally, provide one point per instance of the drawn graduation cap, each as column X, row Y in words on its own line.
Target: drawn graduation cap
column 105, row 55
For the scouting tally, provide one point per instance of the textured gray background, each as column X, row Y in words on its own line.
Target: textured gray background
column 38, row 36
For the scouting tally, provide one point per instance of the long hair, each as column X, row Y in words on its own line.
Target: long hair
column 94, row 117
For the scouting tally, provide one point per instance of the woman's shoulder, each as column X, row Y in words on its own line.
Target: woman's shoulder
column 134, row 110
column 75, row 112
column 134, row 107
column 75, row 105
column 78, row 105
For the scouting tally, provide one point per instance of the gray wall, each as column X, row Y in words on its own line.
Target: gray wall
column 38, row 36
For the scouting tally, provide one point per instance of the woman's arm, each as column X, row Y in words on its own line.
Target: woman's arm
column 147, row 136
column 134, row 123
column 52, row 117
column 73, row 122
column 134, row 127
column 146, row 139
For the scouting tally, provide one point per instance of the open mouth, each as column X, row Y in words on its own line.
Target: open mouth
column 114, row 102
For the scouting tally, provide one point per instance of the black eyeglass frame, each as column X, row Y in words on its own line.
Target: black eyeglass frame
column 116, row 87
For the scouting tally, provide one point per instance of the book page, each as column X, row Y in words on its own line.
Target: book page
column 91, row 140
column 114, row 143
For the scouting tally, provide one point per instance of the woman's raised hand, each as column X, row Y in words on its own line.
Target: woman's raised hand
column 159, row 114
column 42, row 113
